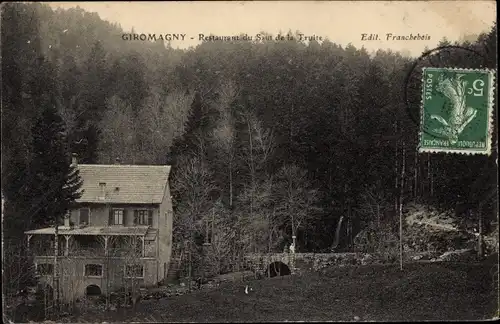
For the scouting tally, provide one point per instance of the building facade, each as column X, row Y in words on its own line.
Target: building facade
column 118, row 234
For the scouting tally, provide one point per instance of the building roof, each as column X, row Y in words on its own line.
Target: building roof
column 127, row 184
column 96, row 230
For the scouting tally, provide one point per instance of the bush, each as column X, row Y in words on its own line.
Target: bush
column 420, row 238
column 491, row 241
column 379, row 239
column 427, row 229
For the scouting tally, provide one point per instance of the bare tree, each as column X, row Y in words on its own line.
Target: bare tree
column 18, row 272
column 396, row 169
column 256, row 153
column 375, row 203
column 110, row 251
column 221, row 237
column 72, row 282
column 224, row 133
column 194, row 182
column 430, row 177
column 259, row 229
column 296, row 198
column 117, row 132
column 131, row 252
column 401, row 194
column 162, row 119
column 144, row 137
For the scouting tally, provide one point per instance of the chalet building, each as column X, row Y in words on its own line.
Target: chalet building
column 119, row 233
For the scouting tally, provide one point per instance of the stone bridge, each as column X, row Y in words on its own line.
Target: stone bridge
column 275, row 264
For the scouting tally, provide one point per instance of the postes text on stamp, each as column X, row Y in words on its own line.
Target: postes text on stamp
column 456, row 111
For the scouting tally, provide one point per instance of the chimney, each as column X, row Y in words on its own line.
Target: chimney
column 102, row 186
column 74, row 159
column 117, row 160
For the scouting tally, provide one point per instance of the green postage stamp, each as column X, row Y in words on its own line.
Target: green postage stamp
column 457, row 110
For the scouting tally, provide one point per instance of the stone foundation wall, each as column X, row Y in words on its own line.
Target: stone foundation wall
column 304, row 262
column 315, row 262
column 312, row 261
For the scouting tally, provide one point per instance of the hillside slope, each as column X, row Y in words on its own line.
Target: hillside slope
column 424, row 291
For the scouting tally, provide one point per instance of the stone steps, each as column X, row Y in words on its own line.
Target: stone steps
column 173, row 270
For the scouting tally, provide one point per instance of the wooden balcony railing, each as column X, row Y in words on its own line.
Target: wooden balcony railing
column 93, row 252
column 86, row 252
column 49, row 251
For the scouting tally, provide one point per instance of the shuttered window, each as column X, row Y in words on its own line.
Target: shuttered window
column 117, row 216
column 93, row 270
column 143, row 217
column 134, row 271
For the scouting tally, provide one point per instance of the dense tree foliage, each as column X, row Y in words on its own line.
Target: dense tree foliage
column 53, row 179
column 266, row 139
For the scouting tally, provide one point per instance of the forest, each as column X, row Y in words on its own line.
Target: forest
column 267, row 140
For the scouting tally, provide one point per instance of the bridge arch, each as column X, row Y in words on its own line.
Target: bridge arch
column 93, row 290
column 278, row 268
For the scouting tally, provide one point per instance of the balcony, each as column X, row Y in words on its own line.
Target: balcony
column 93, row 252
column 44, row 251
column 87, row 252
column 87, row 245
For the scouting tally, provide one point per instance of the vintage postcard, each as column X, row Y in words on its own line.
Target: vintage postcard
column 250, row 161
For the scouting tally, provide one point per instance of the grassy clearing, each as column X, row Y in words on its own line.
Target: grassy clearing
column 422, row 291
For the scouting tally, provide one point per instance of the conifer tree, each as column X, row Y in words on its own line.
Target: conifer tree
column 55, row 183
column 194, row 125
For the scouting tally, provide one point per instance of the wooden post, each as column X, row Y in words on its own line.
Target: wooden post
column 108, row 272
column 480, row 251
column 143, row 238
column 66, row 250
column 55, row 273
column 106, row 237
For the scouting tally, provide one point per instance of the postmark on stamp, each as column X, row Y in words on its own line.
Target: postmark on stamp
column 456, row 110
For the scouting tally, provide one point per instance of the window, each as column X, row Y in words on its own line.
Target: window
column 143, row 217
column 117, row 217
column 93, row 270
column 45, row 269
column 149, row 248
column 134, row 271
column 84, row 216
